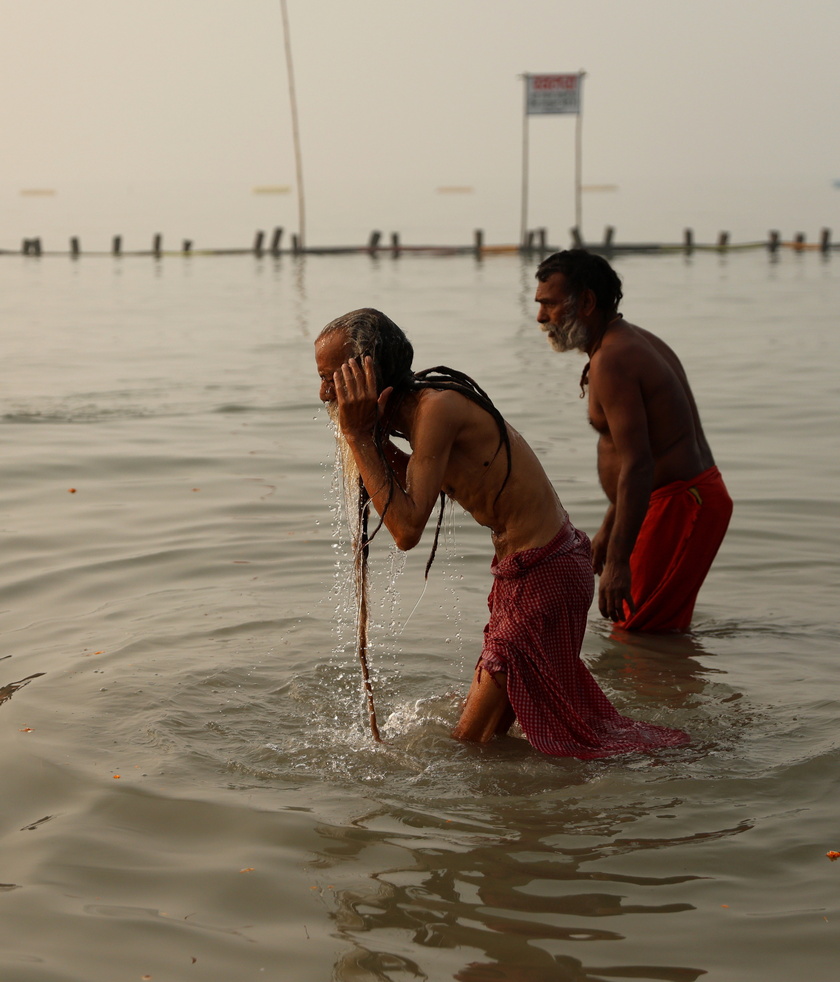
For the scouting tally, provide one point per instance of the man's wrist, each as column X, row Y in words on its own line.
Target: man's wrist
column 359, row 441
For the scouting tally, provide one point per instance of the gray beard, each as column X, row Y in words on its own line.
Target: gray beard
column 347, row 474
column 570, row 335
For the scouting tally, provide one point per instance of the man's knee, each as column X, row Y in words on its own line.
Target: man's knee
column 487, row 710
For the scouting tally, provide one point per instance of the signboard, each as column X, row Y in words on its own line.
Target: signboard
column 552, row 94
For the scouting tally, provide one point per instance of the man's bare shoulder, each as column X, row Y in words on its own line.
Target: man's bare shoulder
column 444, row 415
column 629, row 351
column 443, row 404
column 620, row 352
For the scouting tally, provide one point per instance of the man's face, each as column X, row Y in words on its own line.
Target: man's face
column 331, row 352
column 558, row 315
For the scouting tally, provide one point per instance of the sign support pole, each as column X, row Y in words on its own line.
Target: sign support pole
column 550, row 95
column 579, row 156
column 523, row 231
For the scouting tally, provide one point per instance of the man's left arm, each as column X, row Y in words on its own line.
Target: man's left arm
column 619, row 392
column 405, row 505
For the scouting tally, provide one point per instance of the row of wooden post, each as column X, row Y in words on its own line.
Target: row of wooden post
column 773, row 243
column 32, row 247
column 536, row 240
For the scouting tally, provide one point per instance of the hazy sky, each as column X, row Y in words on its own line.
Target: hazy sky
column 695, row 110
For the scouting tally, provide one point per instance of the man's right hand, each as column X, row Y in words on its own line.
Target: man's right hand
column 614, row 591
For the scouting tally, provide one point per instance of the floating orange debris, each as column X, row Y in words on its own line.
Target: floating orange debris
column 832, row 855
column 248, row 869
column 71, row 490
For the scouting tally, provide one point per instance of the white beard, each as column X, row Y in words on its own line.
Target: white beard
column 347, row 477
column 571, row 333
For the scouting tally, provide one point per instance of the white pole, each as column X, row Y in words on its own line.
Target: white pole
column 523, row 231
column 579, row 157
column 295, row 130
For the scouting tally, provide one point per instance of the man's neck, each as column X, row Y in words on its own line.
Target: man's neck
column 600, row 329
column 401, row 420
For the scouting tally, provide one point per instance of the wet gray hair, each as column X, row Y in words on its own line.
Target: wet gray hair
column 370, row 332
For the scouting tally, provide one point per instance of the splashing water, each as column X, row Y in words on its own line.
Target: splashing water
column 352, row 514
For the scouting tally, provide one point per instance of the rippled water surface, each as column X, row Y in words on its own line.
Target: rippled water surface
column 190, row 790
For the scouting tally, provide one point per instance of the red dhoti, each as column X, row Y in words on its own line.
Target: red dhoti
column 538, row 609
column 679, row 538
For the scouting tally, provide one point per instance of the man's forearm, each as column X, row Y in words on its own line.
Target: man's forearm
column 401, row 514
column 632, row 498
column 372, row 468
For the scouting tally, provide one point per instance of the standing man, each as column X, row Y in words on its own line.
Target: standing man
column 668, row 506
column 530, row 667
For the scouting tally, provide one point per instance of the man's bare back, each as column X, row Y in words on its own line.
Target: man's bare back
column 633, row 358
column 456, row 448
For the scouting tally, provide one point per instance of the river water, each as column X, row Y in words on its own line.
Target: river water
column 190, row 790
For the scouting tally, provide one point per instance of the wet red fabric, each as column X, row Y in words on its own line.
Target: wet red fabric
column 538, row 610
column 677, row 543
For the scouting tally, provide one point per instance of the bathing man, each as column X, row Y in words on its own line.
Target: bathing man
column 668, row 506
column 530, row 668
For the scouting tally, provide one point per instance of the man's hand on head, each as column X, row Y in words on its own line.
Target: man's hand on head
column 355, row 392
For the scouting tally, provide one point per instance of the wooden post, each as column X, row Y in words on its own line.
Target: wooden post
column 275, row 241
column 24, row 247
column 825, row 240
column 258, row 243
column 479, row 241
column 773, row 244
column 688, row 240
column 37, row 245
column 799, row 241
column 373, row 241
column 116, row 245
column 577, row 241
column 543, row 235
column 157, row 244
column 395, row 243
column 296, row 243
column 187, row 247
column 609, row 232
column 75, row 248
column 723, row 241
column 528, row 241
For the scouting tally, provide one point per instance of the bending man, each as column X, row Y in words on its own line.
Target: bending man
column 669, row 508
column 530, row 668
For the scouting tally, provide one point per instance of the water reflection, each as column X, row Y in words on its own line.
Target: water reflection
column 507, row 897
column 8, row 690
column 661, row 668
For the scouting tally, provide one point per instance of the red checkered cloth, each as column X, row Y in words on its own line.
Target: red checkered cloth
column 538, row 609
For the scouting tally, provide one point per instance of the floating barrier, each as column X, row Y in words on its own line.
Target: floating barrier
column 535, row 242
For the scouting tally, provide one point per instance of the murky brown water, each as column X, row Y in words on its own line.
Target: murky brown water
column 189, row 787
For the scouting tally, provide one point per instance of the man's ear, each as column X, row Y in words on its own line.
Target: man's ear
column 588, row 303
